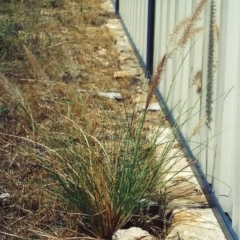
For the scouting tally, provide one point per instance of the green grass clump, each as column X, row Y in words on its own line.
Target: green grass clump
column 108, row 180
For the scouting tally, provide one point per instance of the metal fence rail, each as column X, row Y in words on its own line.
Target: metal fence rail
column 217, row 146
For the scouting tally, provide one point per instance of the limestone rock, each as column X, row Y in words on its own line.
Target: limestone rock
column 139, row 98
column 102, row 52
column 111, row 95
column 133, row 233
column 120, row 74
column 5, row 199
column 151, row 107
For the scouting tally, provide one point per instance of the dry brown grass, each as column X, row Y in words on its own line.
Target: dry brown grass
column 59, row 59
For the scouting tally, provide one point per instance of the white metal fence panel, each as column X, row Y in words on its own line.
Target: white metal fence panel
column 225, row 182
column 134, row 17
column 214, row 147
column 236, row 164
column 177, row 84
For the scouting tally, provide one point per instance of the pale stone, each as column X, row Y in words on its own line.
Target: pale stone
column 204, row 225
column 5, row 195
column 5, row 199
column 133, row 233
column 102, row 52
column 136, row 100
column 151, row 107
column 139, row 98
column 120, row 74
column 161, row 136
column 111, row 95
column 118, row 234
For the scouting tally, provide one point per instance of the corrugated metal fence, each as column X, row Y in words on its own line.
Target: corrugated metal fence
column 185, row 84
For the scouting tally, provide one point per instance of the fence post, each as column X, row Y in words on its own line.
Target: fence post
column 117, row 6
column 150, row 37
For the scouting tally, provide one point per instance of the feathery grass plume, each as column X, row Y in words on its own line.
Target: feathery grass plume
column 197, row 80
column 185, row 29
column 190, row 31
column 197, row 30
column 156, row 80
column 8, row 88
column 211, row 64
column 5, row 85
column 177, row 29
column 8, row 96
column 38, row 72
column 217, row 31
column 197, row 128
